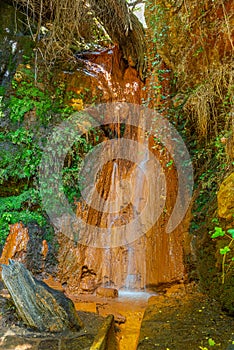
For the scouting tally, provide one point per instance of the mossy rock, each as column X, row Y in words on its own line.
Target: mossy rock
column 226, row 198
column 15, row 41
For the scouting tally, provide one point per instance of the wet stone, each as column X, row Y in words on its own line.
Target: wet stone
column 22, row 338
column 49, row 344
column 107, row 292
column 11, row 342
column 39, row 306
column 81, row 343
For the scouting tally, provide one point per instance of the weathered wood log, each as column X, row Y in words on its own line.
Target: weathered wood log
column 39, row 306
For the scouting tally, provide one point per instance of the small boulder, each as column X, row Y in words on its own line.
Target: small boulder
column 107, row 292
column 176, row 291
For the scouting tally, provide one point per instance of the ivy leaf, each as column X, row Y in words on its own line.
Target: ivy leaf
column 211, row 342
column 231, row 232
column 224, row 250
column 218, row 232
column 215, row 220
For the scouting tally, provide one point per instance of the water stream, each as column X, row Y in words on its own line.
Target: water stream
column 128, row 193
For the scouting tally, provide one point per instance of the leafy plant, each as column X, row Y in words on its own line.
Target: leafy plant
column 25, row 208
column 20, row 154
column 226, row 250
column 211, row 342
column 31, row 109
column 35, row 98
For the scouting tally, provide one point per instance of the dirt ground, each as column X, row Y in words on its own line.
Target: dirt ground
column 128, row 310
column 179, row 318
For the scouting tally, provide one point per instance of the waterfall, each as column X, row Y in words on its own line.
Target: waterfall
column 125, row 197
column 136, row 271
column 111, row 206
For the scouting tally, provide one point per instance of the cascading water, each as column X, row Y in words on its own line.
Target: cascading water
column 121, row 193
column 136, row 274
column 112, row 206
column 154, row 257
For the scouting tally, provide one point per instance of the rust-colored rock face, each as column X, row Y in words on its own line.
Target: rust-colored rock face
column 102, row 77
column 16, row 244
column 153, row 258
column 192, row 37
column 26, row 245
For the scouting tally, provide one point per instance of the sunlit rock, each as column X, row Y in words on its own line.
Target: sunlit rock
column 154, row 257
column 16, row 244
column 107, row 292
column 226, row 198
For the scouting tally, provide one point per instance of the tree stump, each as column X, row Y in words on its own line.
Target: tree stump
column 39, row 306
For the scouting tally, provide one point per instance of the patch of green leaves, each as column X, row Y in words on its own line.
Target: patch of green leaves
column 231, row 232
column 32, row 110
column 20, row 154
column 218, row 232
column 211, row 342
column 30, row 96
column 226, row 251
column 24, row 208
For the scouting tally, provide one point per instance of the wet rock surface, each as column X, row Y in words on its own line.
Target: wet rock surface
column 150, row 259
column 39, row 306
column 185, row 322
column 19, row 338
column 27, row 244
column 16, row 244
column 107, row 292
column 14, row 41
column 127, row 309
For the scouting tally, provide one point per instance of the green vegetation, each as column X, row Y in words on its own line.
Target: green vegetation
column 183, row 48
column 72, row 167
column 226, row 251
column 190, row 80
column 32, row 110
column 24, row 207
column 210, row 342
column 20, row 154
column 33, row 99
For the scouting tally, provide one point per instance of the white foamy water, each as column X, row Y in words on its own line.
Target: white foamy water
column 126, row 295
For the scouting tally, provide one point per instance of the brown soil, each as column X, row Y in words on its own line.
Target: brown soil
column 192, row 322
column 179, row 319
column 128, row 310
